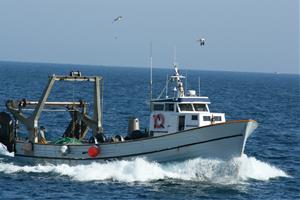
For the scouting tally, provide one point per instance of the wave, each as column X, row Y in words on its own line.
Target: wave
column 235, row 171
column 4, row 152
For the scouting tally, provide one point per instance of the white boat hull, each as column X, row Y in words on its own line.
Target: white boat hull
column 221, row 141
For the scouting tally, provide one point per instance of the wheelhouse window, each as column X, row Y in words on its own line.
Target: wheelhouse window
column 217, row 118
column 206, row 118
column 194, row 117
column 169, row 107
column 186, row 107
column 200, row 107
column 158, row 107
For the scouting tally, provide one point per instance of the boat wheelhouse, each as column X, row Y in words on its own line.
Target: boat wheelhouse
column 172, row 115
column 184, row 111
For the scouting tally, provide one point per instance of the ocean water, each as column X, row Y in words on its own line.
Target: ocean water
column 269, row 169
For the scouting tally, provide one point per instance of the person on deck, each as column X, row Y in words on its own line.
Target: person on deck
column 42, row 135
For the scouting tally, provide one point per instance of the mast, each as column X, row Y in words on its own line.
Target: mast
column 151, row 63
column 199, row 86
column 174, row 58
column 177, row 78
column 167, row 85
column 186, row 81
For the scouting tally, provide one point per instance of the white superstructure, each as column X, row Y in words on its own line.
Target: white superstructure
column 184, row 111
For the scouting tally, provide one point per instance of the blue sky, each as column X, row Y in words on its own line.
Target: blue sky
column 250, row 35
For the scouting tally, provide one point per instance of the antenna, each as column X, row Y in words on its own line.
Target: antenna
column 151, row 63
column 199, row 86
column 167, row 82
column 186, row 81
column 174, row 61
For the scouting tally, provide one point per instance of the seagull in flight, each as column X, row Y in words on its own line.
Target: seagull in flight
column 201, row 41
column 119, row 18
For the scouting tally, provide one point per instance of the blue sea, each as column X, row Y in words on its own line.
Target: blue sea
column 269, row 169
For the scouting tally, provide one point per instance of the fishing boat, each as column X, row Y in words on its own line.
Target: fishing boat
column 181, row 127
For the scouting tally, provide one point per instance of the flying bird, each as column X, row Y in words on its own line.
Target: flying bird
column 119, row 18
column 201, row 41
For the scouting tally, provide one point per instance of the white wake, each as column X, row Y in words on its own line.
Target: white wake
column 235, row 171
column 4, row 152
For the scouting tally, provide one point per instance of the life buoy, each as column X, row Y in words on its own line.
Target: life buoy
column 94, row 151
column 159, row 121
column 64, row 150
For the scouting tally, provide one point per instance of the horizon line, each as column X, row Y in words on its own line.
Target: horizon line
column 145, row 67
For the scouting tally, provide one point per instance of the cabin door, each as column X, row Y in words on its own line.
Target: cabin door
column 181, row 123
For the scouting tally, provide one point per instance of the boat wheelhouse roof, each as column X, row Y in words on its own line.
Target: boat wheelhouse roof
column 183, row 100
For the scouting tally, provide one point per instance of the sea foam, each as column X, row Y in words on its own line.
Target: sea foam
column 237, row 170
column 4, row 152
